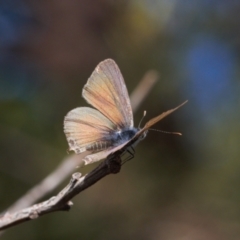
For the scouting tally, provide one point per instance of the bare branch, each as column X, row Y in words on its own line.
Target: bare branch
column 143, row 88
column 49, row 183
column 62, row 202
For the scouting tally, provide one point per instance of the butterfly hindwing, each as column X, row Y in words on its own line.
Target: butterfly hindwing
column 86, row 126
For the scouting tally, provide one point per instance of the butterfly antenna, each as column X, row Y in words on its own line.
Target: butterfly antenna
column 144, row 114
column 175, row 133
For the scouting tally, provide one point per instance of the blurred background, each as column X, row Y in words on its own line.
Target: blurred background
column 176, row 187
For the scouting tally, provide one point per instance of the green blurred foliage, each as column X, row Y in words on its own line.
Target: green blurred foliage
column 175, row 187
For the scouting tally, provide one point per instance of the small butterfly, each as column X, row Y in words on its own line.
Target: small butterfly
column 109, row 127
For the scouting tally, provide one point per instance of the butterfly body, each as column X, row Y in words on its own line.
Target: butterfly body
column 109, row 127
column 113, row 140
column 123, row 136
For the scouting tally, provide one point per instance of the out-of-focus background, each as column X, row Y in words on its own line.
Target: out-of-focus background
column 176, row 187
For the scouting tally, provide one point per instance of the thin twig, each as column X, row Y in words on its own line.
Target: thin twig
column 63, row 171
column 66, row 167
column 143, row 88
column 49, row 183
column 62, row 202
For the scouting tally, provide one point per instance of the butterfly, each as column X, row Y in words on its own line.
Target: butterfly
column 109, row 127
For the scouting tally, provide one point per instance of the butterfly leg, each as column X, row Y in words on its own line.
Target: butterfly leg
column 131, row 153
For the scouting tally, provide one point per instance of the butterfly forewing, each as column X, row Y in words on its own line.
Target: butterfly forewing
column 161, row 116
column 153, row 121
column 107, row 92
column 85, row 127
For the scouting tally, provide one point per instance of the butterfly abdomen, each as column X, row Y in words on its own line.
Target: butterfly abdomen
column 98, row 146
column 113, row 140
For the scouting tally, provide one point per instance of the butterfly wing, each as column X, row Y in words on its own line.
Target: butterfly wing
column 106, row 91
column 161, row 116
column 155, row 120
column 86, row 126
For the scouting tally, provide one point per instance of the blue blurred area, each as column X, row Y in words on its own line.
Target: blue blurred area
column 211, row 67
column 14, row 18
column 17, row 76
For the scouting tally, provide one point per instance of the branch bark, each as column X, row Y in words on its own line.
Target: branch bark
column 62, row 202
column 77, row 184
